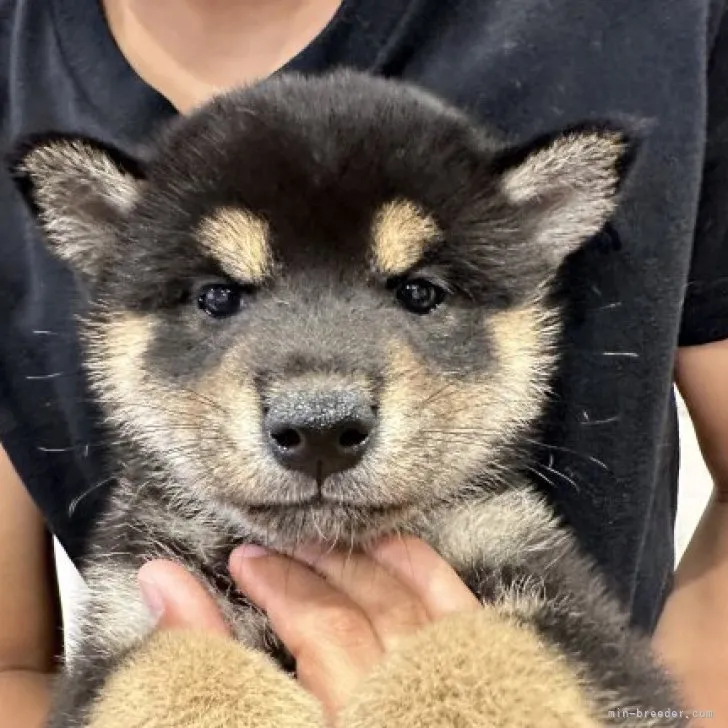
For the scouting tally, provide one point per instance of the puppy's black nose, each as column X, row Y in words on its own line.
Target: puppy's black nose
column 319, row 433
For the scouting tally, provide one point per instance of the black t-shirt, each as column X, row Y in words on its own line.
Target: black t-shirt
column 657, row 277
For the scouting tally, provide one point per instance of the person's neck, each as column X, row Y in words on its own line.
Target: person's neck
column 190, row 49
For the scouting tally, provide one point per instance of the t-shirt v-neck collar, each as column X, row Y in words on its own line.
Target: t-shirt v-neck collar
column 356, row 36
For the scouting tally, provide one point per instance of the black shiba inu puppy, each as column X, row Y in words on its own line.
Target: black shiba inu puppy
column 320, row 310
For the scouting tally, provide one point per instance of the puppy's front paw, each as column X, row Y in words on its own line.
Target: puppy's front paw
column 181, row 679
column 476, row 670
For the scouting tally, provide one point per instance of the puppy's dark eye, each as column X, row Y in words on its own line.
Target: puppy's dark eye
column 220, row 299
column 419, row 296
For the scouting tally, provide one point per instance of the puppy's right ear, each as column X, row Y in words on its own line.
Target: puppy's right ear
column 79, row 190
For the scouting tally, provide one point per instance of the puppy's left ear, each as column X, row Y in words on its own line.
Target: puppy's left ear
column 566, row 186
column 79, row 190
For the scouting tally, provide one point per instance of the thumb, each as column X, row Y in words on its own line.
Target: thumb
column 178, row 600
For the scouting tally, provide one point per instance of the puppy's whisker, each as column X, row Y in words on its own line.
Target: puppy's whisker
column 561, row 448
column 77, row 500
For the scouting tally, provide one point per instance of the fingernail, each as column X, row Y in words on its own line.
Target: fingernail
column 252, row 551
column 152, row 598
column 236, row 564
column 249, row 551
column 308, row 553
column 384, row 543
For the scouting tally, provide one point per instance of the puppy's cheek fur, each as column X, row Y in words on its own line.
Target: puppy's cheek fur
column 432, row 424
column 191, row 680
column 450, row 429
column 475, row 670
column 207, row 433
column 234, row 454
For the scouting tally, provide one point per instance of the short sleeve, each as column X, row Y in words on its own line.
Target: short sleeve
column 705, row 310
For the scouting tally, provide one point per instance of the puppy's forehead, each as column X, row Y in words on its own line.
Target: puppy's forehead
column 263, row 176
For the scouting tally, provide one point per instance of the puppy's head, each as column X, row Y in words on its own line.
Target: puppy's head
column 321, row 303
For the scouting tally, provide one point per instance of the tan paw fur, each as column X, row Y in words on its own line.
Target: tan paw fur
column 190, row 680
column 477, row 669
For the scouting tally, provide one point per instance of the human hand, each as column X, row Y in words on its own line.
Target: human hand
column 338, row 614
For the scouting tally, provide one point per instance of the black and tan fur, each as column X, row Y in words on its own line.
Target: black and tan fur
column 319, row 199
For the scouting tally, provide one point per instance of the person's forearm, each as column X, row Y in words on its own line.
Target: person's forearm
column 692, row 635
column 24, row 699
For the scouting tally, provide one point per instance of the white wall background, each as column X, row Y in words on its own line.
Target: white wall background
column 695, row 488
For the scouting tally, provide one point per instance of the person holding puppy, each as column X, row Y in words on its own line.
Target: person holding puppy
column 648, row 303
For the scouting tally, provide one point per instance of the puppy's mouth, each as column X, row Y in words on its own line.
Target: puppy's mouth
column 320, row 502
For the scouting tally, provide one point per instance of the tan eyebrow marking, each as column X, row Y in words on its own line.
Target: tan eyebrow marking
column 239, row 241
column 400, row 234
